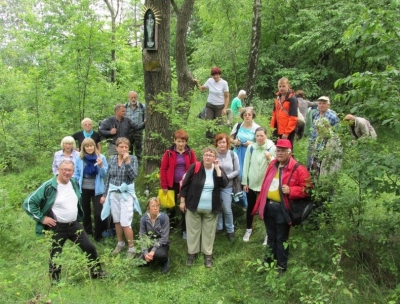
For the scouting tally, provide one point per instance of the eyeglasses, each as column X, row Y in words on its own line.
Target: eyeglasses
column 66, row 170
column 208, row 155
column 282, row 150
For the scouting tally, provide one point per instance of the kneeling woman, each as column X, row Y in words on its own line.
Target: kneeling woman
column 154, row 235
column 201, row 200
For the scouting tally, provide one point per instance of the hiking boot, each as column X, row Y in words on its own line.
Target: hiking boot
column 190, row 259
column 118, row 249
column 247, row 235
column 184, row 235
column 231, row 236
column 98, row 274
column 265, row 241
column 165, row 267
column 208, row 261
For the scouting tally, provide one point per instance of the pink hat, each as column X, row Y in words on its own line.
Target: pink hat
column 284, row 143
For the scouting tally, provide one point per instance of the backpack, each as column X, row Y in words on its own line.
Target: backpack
column 299, row 209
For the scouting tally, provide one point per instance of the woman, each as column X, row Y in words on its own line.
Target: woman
column 68, row 152
column 154, row 234
column 119, row 195
column 218, row 97
column 258, row 156
column 282, row 183
column 243, row 134
column 229, row 162
column 88, row 132
column 201, row 200
column 284, row 114
column 90, row 169
column 174, row 164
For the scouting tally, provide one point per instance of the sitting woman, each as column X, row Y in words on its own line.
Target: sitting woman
column 90, row 170
column 67, row 152
column 154, row 235
column 201, row 200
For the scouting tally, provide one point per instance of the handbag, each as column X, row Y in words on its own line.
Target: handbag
column 299, row 209
column 167, row 199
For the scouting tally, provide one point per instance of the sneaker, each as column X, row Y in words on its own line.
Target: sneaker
column 190, row 259
column 208, row 261
column 118, row 249
column 265, row 241
column 184, row 236
column 165, row 267
column 231, row 236
column 247, row 235
column 130, row 254
column 99, row 274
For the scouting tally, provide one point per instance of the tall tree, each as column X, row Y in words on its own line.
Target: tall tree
column 113, row 13
column 157, row 84
column 252, row 62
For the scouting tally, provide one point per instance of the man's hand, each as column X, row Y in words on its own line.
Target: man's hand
column 113, row 131
column 48, row 221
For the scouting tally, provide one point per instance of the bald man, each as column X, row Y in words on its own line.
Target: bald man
column 360, row 127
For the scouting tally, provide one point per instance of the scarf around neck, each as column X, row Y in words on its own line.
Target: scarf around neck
column 90, row 168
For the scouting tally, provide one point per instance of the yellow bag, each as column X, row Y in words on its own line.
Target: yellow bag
column 167, row 200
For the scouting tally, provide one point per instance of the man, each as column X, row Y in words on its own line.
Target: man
column 236, row 107
column 323, row 110
column 304, row 104
column 282, row 183
column 136, row 112
column 56, row 206
column 117, row 126
column 360, row 127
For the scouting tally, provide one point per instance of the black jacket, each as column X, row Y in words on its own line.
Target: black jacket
column 193, row 185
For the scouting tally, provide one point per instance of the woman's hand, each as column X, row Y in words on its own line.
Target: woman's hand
column 99, row 162
column 268, row 155
column 246, row 188
column 149, row 257
column 102, row 200
column 247, row 143
column 165, row 191
column 182, row 206
column 217, row 168
column 126, row 158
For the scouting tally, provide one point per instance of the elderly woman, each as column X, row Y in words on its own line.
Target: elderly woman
column 201, row 200
column 229, row 162
column 67, row 152
column 218, row 96
column 88, row 132
column 154, row 234
column 175, row 162
column 258, row 156
column 243, row 134
column 119, row 195
column 90, row 169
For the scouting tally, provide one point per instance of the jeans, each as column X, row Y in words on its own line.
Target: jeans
column 226, row 198
column 278, row 233
column 74, row 232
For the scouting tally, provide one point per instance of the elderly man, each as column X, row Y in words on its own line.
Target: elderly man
column 323, row 110
column 56, row 206
column 360, row 127
column 136, row 111
column 117, row 126
column 284, row 181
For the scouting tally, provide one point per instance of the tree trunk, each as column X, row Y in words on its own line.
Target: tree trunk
column 113, row 14
column 185, row 78
column 157, row 84
column 252, row 62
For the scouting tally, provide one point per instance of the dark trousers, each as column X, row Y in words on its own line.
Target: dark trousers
column 161, row 254
column 99, row 225
column 278, row 233
column 74, row 232
column 136, row 147
column 213, row 112
column 174, row 212
column 251, row 201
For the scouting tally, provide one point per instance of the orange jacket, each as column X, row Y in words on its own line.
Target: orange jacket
column 284, row 116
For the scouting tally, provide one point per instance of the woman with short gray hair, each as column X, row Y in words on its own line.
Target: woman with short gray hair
column 67, row 152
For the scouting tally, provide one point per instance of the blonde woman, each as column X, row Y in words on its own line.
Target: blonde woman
column 67, row 152
column 87, row 132
column 90, row 170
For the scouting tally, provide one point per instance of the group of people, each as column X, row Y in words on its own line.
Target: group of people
column 203, row 190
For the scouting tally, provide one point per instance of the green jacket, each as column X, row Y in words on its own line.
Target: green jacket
column 39, row 202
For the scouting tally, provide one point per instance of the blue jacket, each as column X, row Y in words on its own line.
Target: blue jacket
column 99, row 182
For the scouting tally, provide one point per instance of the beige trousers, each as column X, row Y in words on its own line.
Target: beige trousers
column 200, row 229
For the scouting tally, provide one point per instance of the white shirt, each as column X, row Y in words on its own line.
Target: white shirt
column 65, row 206
column 216, row 91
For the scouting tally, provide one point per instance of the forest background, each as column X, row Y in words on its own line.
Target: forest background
column 62, row 61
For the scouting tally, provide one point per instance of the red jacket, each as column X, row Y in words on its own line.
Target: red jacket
column 168, row 164
column 284, row 117
column 298, row 184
